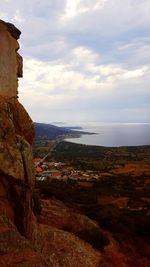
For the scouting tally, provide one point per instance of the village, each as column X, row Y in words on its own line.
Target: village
column 118, row 196
column 111, row 184
column 61, row 171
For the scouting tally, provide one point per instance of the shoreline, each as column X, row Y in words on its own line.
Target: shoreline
column 123, row 146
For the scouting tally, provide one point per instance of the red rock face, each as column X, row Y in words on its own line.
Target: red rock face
column 62, row 249
column 16, row 168
column 56, row 214
column 15, row 250
column 23, row 123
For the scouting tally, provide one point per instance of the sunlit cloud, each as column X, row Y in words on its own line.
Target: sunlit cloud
column 77, row 7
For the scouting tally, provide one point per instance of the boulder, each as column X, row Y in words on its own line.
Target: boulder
column 62, row 249
column 55, row 213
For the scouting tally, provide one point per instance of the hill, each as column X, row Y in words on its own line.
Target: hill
column 49, row 131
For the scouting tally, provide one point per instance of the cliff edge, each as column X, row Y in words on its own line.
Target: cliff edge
column 23, row 241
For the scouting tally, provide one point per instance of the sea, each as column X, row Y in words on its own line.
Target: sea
column 114, row 134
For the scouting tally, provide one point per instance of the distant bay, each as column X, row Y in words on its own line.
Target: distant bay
column 114, row 134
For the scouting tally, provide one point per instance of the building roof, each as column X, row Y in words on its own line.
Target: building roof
column 39, row 169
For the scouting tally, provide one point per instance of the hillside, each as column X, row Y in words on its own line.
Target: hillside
column 110, row 186
column 49, row 131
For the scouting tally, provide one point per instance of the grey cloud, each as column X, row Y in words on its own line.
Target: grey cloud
column 117, row 33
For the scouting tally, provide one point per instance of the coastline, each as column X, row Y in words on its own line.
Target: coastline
column 115, row 135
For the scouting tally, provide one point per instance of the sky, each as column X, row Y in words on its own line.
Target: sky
column 84, row 60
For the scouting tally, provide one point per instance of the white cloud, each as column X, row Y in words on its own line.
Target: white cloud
column 88, row 85
column 17, row 18
column 79, row 7
column 83, row 56
column 113, row 18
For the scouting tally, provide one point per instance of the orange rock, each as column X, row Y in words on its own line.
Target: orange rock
column 22, row 122
column 62, row 249
column 17, row 223
column 15, row 250
column 56, row 214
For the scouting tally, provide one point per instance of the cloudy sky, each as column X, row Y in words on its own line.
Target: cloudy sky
column 84, row 60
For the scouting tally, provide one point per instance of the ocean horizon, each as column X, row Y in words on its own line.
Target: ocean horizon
column 113, row 134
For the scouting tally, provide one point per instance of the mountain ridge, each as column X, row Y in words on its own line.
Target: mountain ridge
column 50, row 131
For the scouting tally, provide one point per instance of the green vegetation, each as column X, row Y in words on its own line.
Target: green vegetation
column 67, row 150
column 118, row 199
column 99, row 158
column 40, row 150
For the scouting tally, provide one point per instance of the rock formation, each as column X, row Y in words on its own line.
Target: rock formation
column 16, row 132
column 16, row 168
column 24, row 242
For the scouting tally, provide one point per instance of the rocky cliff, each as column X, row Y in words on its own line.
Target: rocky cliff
column 24, row 242
column 16, row 168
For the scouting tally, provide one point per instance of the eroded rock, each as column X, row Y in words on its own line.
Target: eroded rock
column 55, row 213
column 62, row 249
column 24, row 242
column 16, row 168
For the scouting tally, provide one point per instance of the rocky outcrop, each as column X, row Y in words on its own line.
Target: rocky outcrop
column 9, row 59
column 16, row 250
column 16, row 132
column 16, row 168
column 56, row 214
column 23, row 241
column 62, row 249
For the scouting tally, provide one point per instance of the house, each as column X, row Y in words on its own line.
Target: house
column 56, row 175
column 39, row 170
